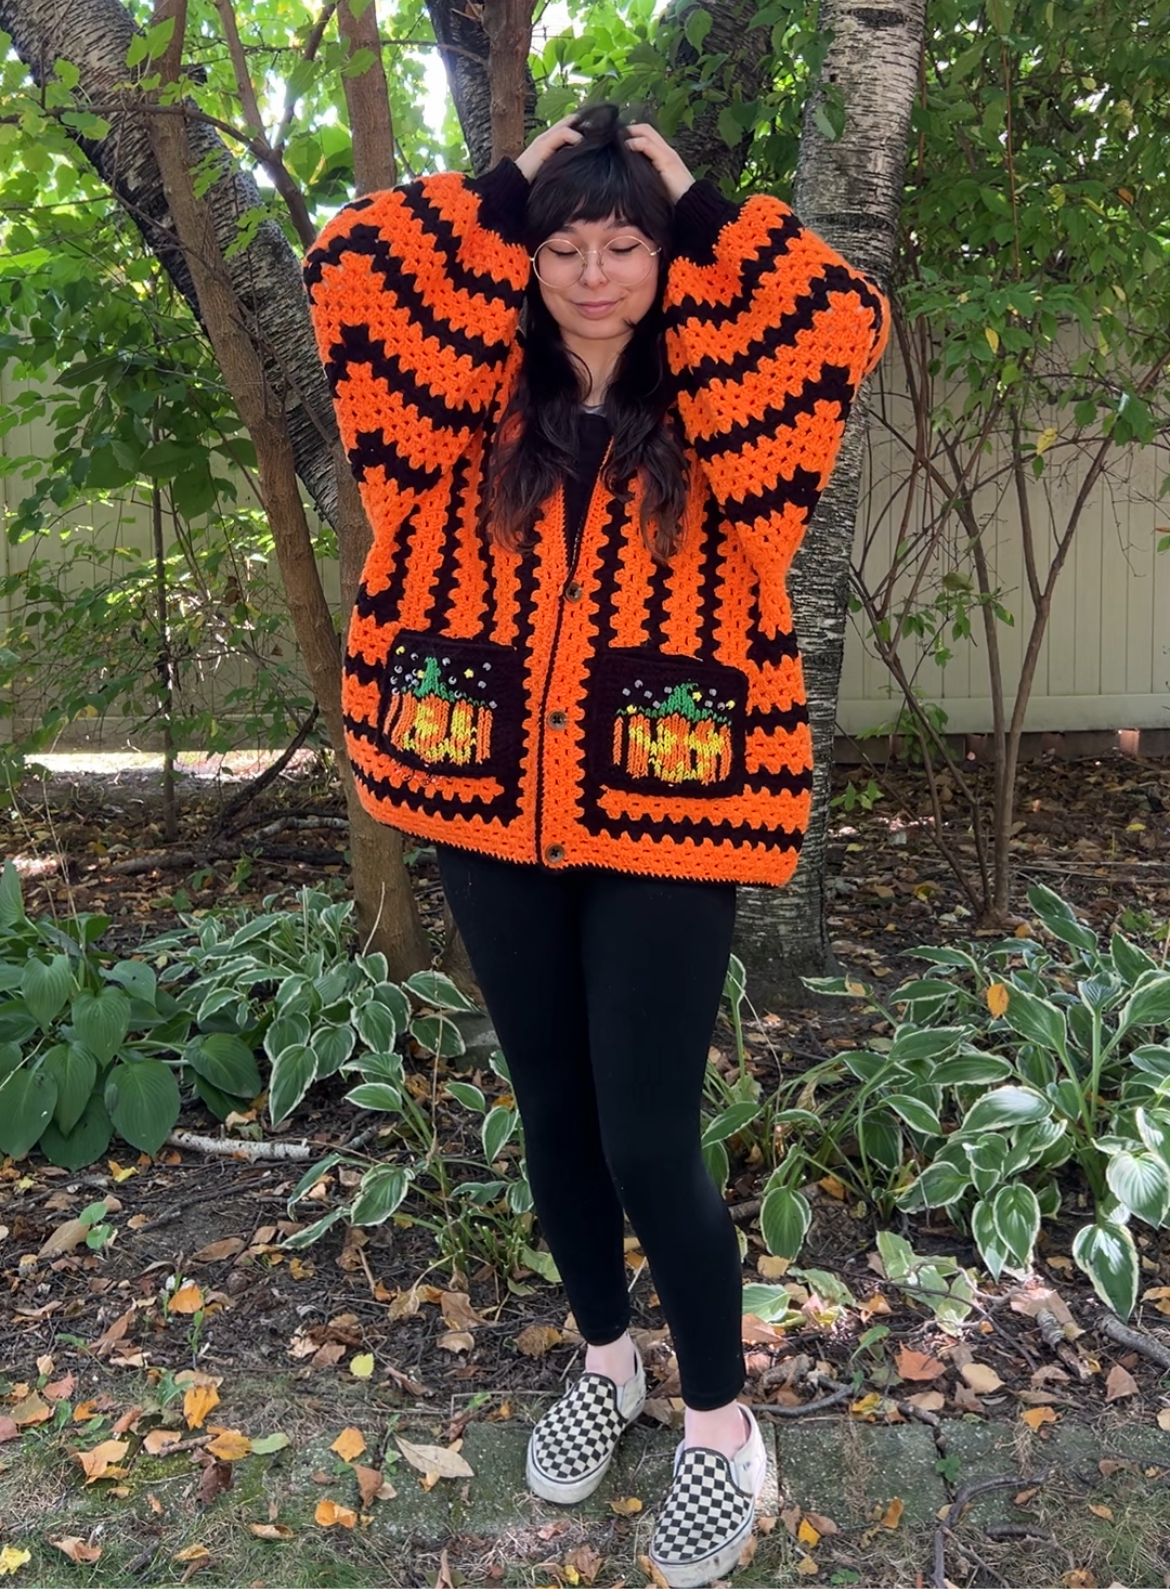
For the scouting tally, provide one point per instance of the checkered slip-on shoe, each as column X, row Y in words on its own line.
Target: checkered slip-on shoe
column 707, row 1517
column 571, row 1447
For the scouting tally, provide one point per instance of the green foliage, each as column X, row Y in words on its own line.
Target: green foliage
column 1011, row 1066
column 89, row 1048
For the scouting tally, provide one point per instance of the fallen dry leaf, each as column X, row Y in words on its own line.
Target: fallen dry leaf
column 199, row 1553
column 997, row 997
column 456, row 1341
column 66, row 1236
column 457, row 1311
column 807, row 1566
column 198, row 1400
column 9, row 1430
column 537, row 1339
column 770, row 1267
column 1119, row 1382
column 159, row 1441
column 1034, row 1417
column 753, row 1331
column 229, row 1445
column 585, row 1562
column 31, row 1409
column 270, row 1530
column 1163, row 1418
column 625, row 1505
column 443, row 1462
column 822, row 1524
column 893, row 1513
column 373, row 1485
column 1104, row 1512
column 217, row 1478
column 330, row 1514
column 217, row 1251
column 1079, row 1578
column 11, row 1559
column 187, row 1299
column 980, row 1378
column 77, row 1550
column 60, row 1389
column 919, row 1365
column 652, row 1572
column 807, row 1534
column 349, row 1444
column 928, row 1400
column 362, row 1366
column 97, row 1461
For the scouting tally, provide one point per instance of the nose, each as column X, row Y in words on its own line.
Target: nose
column 593, row 274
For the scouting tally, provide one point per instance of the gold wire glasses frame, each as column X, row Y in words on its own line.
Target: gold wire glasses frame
column 624, row 260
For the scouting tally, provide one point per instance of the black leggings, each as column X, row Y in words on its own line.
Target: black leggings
column 603, row 989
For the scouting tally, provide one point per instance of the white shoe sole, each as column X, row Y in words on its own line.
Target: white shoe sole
column 693, row 1574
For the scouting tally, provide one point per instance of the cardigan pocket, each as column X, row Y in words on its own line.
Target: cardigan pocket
column 452, row 706
column 665, row 724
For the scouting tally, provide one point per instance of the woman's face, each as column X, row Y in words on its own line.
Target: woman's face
column 594, row 306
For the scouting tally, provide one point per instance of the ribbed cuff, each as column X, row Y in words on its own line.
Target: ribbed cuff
column 699, row 216
column 503, row 199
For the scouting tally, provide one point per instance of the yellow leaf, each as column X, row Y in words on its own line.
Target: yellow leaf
column 997, row 999
column 270, row 1530
column 229, row 1445
column 1045, row 439
column 199, row 1553
column 807, row 1566
column 187, row 1299
column 76, row 1549
column 833, row 1186
column 537, row 1339
column 362, row 1366
column 198, row 1401
column 625, row 1505
column 1035, row 1416
column 349, row 1444
column 893, row 1513
column 772, row 1268
column 807, row 1534
column 11, row 1559
column 159, row 1441
column 97, row 1461
column 118, row 1172
column 1105, row 1512
column 329, row 1514
column 992, row 336
column 980, row 1377
column 867, row 1406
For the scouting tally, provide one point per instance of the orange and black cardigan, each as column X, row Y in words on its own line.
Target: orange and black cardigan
column 606, row 712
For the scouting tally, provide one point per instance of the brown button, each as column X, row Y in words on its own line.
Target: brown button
column 554, row 852
column 557, row 719
column 573, row 591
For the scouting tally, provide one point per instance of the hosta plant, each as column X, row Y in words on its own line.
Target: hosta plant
column 1015, row 1069
column 91, row 1046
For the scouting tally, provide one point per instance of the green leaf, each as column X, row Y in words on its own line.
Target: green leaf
column 918, row 1116
column 382, row 1190
column 768, row 1303
column 27, row 1099
column 87, row 1141
column 729, row 1121
column 498, row 1126
column 101, row 1021
column 1016, row 1214
column 1148, row 1005
column 294, row 1070
column 439, row 1035
column 825, row 124
column 986, row 1157
column 987, row 1238
column 227, row 1062
column 288, row 1028
column 137, row 978
column 785, row 1216
column 1142, row 1182
column 939, row 1184
column 717, row 1163
column 1005, row 1106
column 880, row 1139
column 541, row 1263
column 933, row 1043
column 314, row 1232
column 729, row 128
column 11, row 904
column 142, row 1100
column 1106, row 1253
column 358, row 63
column 1128, row 959
column 375, row 1095
column 1036, row 1019
column 45, row 986
column 311, row 1176
column 470, row 1097
column 439, row 992
column 333, row 1046
column 376, row 1026
column 971, row 1070
column 1058, row 916
column 74, row 1070
column 697, row 27
column 1153, row 1058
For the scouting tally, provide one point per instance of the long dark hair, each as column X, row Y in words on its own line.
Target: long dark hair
column 536, row 443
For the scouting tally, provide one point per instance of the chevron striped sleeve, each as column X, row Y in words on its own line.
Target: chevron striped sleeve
column 415, row 296
column 769, row 334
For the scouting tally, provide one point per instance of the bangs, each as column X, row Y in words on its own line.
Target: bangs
column 594, row 180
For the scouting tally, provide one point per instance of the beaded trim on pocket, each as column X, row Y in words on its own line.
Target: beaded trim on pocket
column 444, row 702
column 668, row 724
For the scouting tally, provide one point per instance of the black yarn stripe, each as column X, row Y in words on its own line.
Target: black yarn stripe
column 832, row 386
column 384, row 606
column 697, row 830
column 712, row 531
column 612, row 534
column 778, row 243
column 443, row 591
column 656, row 606
column 830, row 279
column 357, row 346
column 804, row 489
column 371, row 450
column 777, row 719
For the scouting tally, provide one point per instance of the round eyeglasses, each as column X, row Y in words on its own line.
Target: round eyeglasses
column 625, row 261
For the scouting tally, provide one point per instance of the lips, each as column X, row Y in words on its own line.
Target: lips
column 596, row 310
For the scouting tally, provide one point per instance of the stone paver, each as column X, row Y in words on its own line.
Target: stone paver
column 849, row 1470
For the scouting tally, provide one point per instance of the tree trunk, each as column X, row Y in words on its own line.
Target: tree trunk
column 466, row 51
column 744, row 73
column 508, row 24
column 849, row 192
column 265, row 342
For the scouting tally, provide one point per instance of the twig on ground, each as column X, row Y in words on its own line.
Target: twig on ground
column 358, row 1140
column 834, row 1399
column 1053, row 1336
column 190, row 1199
column 979, row 1486
column 747, row 1210
column 241, row 1148
column 909, row 1410
column 244, row 796
column 965, row 1546
column 1137, row 1340
column 1019, row 1531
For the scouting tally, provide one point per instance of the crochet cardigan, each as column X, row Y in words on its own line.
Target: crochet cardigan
column 602, row 710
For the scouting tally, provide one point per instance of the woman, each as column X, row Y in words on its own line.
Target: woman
column 591, row 405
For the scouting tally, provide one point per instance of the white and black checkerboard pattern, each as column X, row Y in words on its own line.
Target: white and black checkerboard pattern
column 704, row 1509
column 579, row 1433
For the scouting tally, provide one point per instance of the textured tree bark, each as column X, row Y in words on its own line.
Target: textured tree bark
column 367, row 99
column 467, row 59
column 265, row 343
column 744, row 69
column 849, row 192
column 508, row 25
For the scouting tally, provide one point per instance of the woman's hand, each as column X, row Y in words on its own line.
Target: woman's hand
column 546, row 143
column 676, row 179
